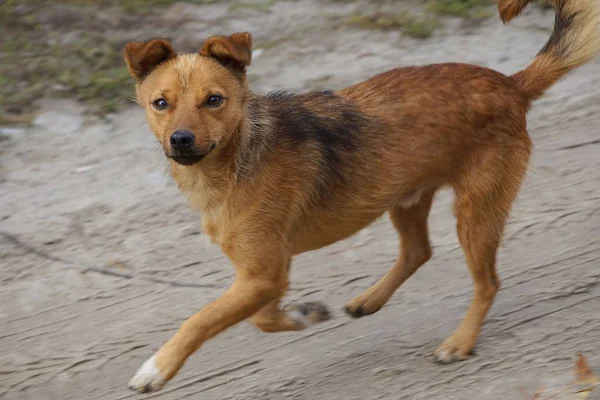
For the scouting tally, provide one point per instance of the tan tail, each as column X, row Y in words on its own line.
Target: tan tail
column 574, row 41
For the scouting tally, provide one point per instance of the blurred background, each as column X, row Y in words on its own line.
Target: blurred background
column 101, row 259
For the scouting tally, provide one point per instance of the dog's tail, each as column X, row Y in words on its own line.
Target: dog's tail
column 574, row 41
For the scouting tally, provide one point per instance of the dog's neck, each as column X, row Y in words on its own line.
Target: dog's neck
column 212, row 182
column 253, row 138
column 205, row 186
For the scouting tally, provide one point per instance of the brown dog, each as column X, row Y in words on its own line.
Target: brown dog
column 281, row 174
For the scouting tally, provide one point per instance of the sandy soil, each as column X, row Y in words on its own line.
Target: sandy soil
column 77, row 193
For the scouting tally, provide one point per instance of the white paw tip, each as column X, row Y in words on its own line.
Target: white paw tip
column 147, row 378
column 444, row 357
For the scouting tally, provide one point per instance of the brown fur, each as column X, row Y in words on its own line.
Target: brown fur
column 282, row 174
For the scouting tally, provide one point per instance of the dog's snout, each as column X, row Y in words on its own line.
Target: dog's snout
column 181, row 140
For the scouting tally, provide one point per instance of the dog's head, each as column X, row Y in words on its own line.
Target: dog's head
column 194, row 102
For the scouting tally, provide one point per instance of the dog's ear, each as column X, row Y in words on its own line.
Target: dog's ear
column 143, row 57
column 233, row 52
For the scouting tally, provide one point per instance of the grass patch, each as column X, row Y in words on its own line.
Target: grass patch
column 69, row 49
column 132, row 6
column 462, row 8
column 261, row 6
column 419, row 27
column 90, row 69
column 73, row 48
column 543, row 4
column 424, row 26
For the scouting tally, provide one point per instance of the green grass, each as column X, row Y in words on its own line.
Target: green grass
column 91, row 70
column 462, row 8
column 50, row 53
column 423, row 27
column 44, row 53
column 261, row 6
column 403, row 21
column 133, row 6
column 543, row 4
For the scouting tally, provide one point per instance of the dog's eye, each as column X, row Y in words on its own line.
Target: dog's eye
column 160, row 104
column 214, row 101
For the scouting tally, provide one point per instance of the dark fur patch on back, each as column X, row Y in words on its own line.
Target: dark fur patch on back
column 321, row 120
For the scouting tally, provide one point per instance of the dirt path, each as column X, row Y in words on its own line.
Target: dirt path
column 86, row 192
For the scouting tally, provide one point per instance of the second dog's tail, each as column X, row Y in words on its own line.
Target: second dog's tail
column 574, row 41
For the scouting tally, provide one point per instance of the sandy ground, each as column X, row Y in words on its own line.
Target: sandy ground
column 79, row 193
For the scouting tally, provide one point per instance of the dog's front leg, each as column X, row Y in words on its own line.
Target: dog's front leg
column 253, row 289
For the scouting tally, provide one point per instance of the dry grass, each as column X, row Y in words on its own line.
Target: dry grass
column 68, row 48
column 72, row 48
column 477, row 9
column 419, row 27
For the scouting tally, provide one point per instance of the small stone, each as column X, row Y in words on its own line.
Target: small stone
column 57, row 122
column 86, row 168
column 11, row 132
column 257, row 52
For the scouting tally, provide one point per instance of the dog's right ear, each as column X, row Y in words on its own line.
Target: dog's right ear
column 143, row 57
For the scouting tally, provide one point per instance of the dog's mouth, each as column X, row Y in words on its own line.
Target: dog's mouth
column 190, row 157
column 186, row 160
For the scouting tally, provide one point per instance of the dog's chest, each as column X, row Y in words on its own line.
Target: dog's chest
column 214, row 226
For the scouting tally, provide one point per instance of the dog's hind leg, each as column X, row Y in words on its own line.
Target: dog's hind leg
column 484, row 198
column 415, row 250
column 295, row 317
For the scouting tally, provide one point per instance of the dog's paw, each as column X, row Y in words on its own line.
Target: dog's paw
column 307, row 314
column 147, row 379
column 453, row 349
column 366, row 304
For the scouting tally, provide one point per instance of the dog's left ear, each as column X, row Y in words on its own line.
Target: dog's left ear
column 233, row 52
column 142, row 58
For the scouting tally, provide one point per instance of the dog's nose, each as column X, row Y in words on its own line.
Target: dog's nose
column 182, row 140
